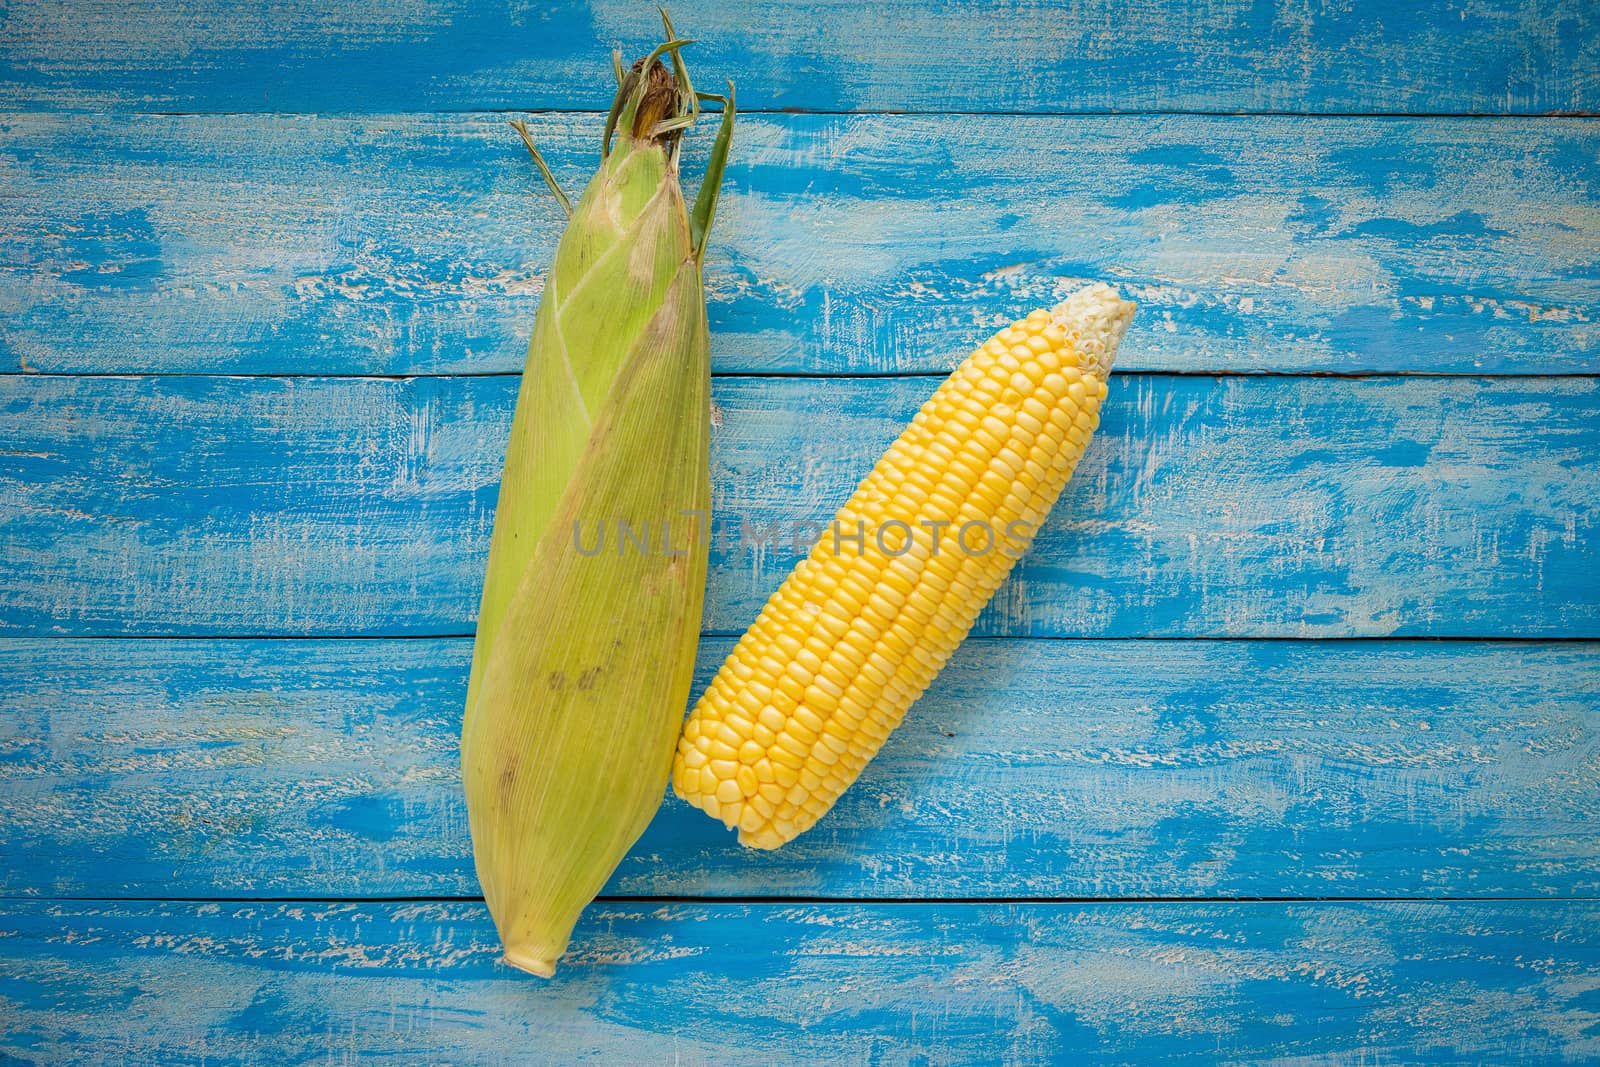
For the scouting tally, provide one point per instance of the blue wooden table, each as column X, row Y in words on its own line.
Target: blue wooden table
column 1282, row 746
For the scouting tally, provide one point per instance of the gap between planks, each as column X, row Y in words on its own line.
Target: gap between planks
column 720, row 635
column 767, row 899
column 1068, row 113
column 801, row 375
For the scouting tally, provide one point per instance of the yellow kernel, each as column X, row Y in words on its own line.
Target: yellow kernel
column 834, row 741
column 785, row 760
column 790, row 688
column 886, row 600
column 749, row 752
column 917, row 614
column 894, row 643
column 878, row 611
column 806, row 717
column 997, row 480
column 788, row 742
column 831, row 679
column 999, row 429
column 746, row 780
column 821, row 700
column 988, row 440
column 783, row 701
column 762, row 807
column 836, row 731
column 830, row 623
column 800, row 732
column 878, row 668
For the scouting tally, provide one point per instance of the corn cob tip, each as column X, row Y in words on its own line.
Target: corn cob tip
column 1099, row 316
column 525, row 959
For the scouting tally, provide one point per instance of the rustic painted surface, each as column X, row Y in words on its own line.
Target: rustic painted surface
column 1501, row 56
column 1205, row 506
column 1513, row 982
column 994, row 889
column 1031, row 769
column 417, row 244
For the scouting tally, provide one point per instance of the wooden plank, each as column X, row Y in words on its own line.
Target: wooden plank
column 876, row 244
column 833, row 983
column 1032, row 769
column 1247, row 507
column 900, row 55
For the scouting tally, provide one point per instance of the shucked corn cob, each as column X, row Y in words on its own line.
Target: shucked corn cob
column 862, row 625
column 583, row 660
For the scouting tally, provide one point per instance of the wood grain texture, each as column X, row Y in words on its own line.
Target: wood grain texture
column 1492, row 56
column 862, row 244
column 1250, row 507
column 852, row 984
column 1031, row 769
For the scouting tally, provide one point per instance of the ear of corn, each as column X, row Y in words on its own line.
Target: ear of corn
column 581, row 667
column 868, row 618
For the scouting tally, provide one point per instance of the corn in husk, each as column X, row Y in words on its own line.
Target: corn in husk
column 581, row 668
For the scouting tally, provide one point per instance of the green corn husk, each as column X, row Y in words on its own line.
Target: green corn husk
column 581, row 668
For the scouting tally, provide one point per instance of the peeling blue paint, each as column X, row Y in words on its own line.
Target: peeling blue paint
column 1098, row 743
